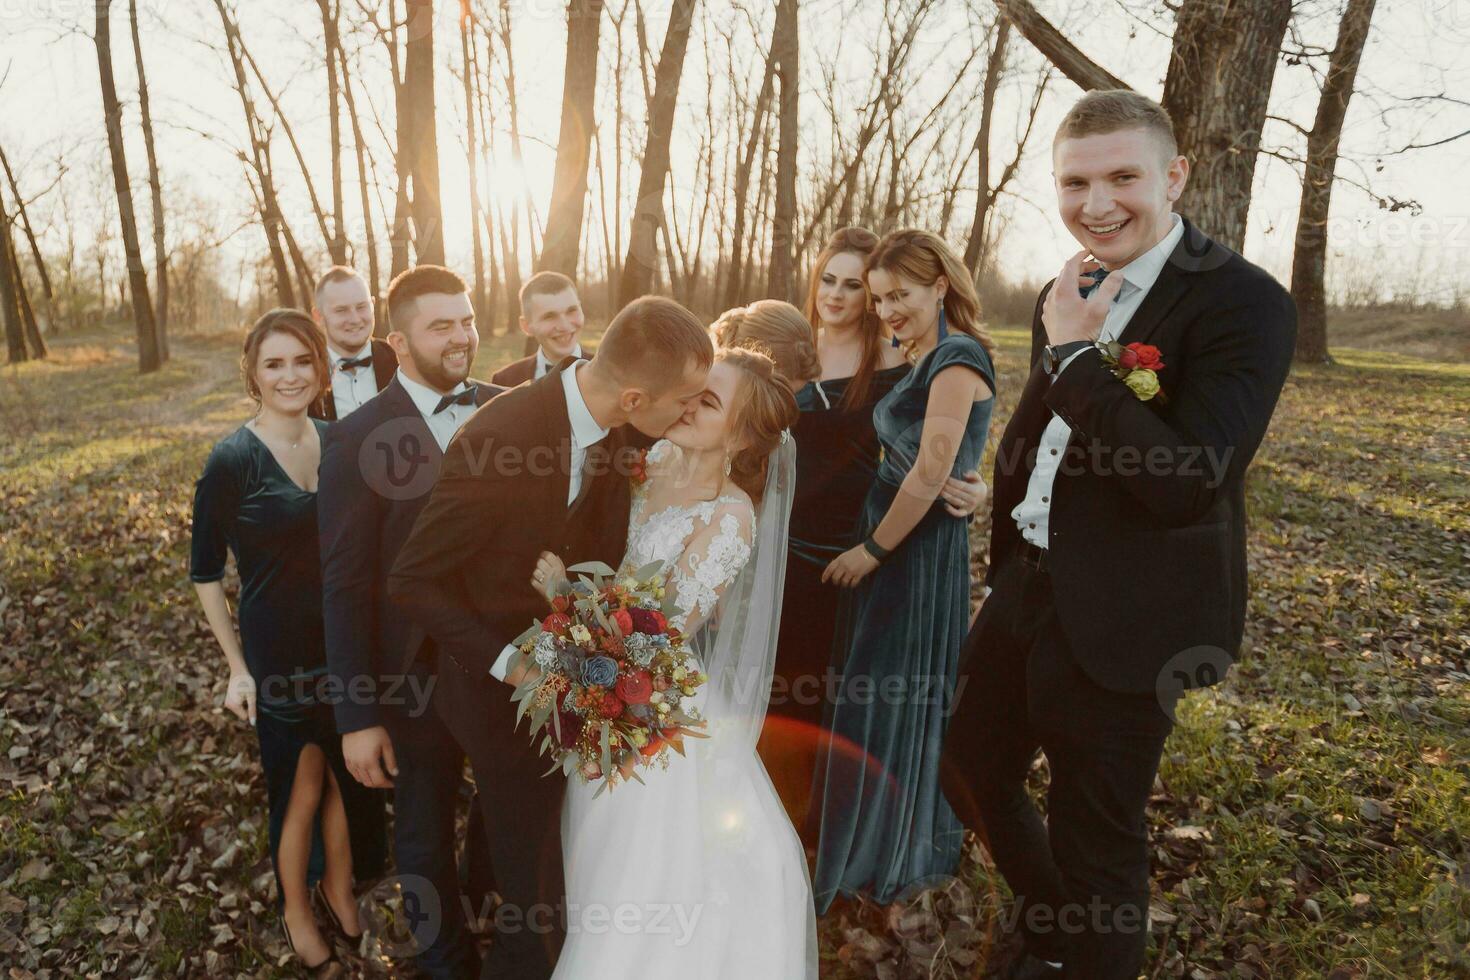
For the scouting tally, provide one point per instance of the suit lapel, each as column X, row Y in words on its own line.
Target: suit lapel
column 385, row 363
column 397, row 403
column 1195, row 252
column 556, row 427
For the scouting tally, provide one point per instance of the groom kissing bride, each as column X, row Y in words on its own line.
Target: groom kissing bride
column 676, row 877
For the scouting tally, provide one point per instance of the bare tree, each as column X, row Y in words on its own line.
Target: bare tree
column 371, row 241
column 423, row 143
column 25, row 222
column 994, row 66
column 785, row 51
column 149, row 358
column 15, row 340
column 735, row 289
column 638, row 267
column 562, row 240
column 155, row 187
column 1309, row 260
column 337, row 240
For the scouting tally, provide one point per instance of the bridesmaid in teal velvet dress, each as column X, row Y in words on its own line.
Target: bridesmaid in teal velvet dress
column 884, row 822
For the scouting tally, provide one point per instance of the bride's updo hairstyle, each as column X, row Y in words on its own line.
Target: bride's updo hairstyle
column 778, row 329
column 767, row 408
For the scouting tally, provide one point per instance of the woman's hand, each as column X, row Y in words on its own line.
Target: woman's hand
column 240, row 695
column 550, row 576
column 850, row 567
column 965, row 495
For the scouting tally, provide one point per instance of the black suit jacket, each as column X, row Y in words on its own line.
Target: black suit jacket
column 519, row 372
column 463, row 576
column 1147, row 521
column 378, row 466
column 385, row 363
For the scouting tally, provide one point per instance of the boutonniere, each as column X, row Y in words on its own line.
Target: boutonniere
column 1137, row 366
column 638, row 469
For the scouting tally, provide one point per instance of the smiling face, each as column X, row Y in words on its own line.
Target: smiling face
column 285, row 372
column 841, row 298
column 908, row 308
column 440, row 342
column 1116, row 191
column 554, row 320
column 705, row 424
column 345, row 311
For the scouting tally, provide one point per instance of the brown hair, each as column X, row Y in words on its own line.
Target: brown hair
column 767, row 408
column 296, row 323
column 337, row 273
column 1109, row 110
column 774, row 328
column 922, row 256
column 410, row 284
column 860, row 242
column 652, row 342
column 546, row 283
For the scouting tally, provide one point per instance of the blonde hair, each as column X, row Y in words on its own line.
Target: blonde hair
column 775, row 328
column 922, row 257
column 294, row 323
column 1110, row 110
column 767, row 408
column 860, row 242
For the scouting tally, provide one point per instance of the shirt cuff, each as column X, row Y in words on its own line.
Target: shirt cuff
column 501, row 667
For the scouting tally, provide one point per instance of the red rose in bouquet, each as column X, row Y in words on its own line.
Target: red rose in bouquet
column 623, row 620
column 635, row 687
column 1145, row 356
column 611, row 706
column 556, row 623
column 649, row 621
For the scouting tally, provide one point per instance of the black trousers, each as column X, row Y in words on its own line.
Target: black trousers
column 1081, row 878
column 521, row 809
column 425, row 797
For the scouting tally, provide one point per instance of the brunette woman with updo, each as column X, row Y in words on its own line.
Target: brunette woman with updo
column 257, row 500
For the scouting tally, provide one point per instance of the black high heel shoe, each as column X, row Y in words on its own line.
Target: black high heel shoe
column 320, row 969
column 331, row 914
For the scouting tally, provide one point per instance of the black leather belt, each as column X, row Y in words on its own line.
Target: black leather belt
column 1033, row 557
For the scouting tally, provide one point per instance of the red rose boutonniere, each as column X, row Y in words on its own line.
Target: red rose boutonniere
column 1137, row 366
column 638, row 471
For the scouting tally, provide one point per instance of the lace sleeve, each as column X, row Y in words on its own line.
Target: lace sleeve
column 712, row 558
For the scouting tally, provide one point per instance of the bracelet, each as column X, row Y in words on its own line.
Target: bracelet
column 873, row 548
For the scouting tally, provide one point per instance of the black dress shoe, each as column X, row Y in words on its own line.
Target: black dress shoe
column 1029, row 967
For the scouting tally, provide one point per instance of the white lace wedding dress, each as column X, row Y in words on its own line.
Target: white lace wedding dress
column 698, row 873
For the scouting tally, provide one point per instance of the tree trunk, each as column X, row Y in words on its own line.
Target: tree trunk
column 734, row 290
column 148, row 354
column 362, row 185
column 1219, row 81
column 472, row 158
column 25, row 222
column 400, row 232
column 337, row 241
column 423, row 145
column 34, row 339
column 155, row 188
column 15, row 340
column 1309, row 262
column 638, row 267
column 984, row 199
column 1057, row 49
column 783, row 228
column 561, row 245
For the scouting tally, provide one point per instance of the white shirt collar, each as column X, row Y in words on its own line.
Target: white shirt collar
column 337, row 359
column 425, row 399
column 1144, row 271
column 543, row 363
column 585, row 430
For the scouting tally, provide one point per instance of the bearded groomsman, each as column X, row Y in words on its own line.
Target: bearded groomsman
column 377, row 469
column 551, row 315
column 1117, row 555
column 362, row 365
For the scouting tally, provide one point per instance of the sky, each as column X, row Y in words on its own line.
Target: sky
column 50, row 110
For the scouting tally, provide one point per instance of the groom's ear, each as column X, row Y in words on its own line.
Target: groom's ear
column 1176, row 176
column 632, row 399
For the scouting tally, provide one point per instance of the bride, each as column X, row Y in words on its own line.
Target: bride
column 698, row 872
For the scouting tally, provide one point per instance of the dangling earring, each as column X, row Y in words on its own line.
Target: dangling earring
column 943, row 327
column 727, row 464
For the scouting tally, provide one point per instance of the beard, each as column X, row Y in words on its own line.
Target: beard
column 434, row 371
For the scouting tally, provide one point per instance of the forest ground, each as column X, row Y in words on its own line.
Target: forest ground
column 1309, row 819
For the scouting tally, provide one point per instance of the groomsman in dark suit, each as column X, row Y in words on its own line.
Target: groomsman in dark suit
column 551, row 315
column 377, row 469
column 362, row 365
column 1117, row 560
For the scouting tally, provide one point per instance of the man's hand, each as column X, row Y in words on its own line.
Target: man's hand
column 369, row 757
column 965, row 495
column 1066, row 315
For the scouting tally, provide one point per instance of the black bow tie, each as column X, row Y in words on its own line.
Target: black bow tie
column 365, row 360
column 1097, row 276
column 466, row 397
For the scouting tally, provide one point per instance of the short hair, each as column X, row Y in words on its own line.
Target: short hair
column 296, row 323
column 1109, row 110
column 546, row 283
column 410, row 284
column 653, row 341
column 337, row 273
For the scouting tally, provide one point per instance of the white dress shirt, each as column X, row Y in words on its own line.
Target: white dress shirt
column 443, row 425
column 543, row 363
column 350, row 389
column 585, row 432
column 1033, row 512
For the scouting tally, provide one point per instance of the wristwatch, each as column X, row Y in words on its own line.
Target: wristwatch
column 1053, row 356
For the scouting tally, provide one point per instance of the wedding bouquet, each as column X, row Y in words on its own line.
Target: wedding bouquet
column 612, row 678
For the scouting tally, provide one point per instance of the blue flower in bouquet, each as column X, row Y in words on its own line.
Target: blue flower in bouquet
column 601, row 671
